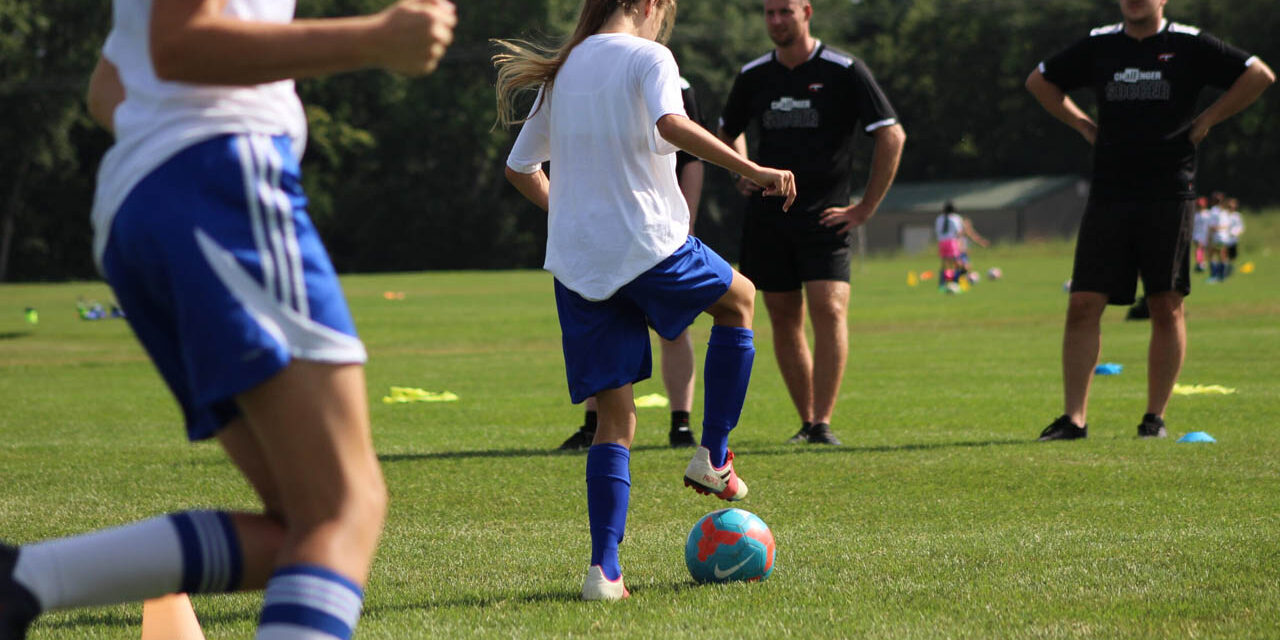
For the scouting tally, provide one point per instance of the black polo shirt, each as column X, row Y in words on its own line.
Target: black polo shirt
column 806, row 119
column 1147, row 92
column 690, row 109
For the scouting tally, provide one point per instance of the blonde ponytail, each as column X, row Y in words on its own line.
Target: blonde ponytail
column 526, row 66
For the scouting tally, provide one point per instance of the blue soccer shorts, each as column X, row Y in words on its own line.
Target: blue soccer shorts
column 221, row 275
column 606, row 342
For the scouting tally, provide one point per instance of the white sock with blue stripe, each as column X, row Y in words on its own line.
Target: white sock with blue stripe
column 194, row 551
column 309, row 602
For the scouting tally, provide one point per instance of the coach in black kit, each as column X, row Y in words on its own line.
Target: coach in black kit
column 807, row 102
column 1147, row 74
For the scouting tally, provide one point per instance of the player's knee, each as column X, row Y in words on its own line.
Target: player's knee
column 1166, row 311
column 373, row 502
column 1084, row 310
column 746, row 299
column 357, row 507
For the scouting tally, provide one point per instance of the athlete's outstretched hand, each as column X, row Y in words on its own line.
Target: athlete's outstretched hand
column 415, row 34
column 776, row 182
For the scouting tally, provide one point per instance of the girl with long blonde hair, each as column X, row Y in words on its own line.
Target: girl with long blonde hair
column 608, row 113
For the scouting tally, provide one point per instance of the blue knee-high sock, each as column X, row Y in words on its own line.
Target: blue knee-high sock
column 608, row 493
column 725, row 375
column 309, row 602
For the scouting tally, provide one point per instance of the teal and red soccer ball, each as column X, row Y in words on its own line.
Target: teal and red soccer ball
column 729, row 545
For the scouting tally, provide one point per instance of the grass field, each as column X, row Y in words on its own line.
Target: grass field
column 939, row 518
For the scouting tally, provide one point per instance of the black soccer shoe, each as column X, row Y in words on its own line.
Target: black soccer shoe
column 801, row 436
column 1139, row 310
column 1152, row 427
column 1064, row 429
column 579, row 441
column 820, row 433
column 681, row 436
column 17, row 606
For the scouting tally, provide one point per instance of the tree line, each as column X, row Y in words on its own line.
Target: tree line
column 406, row 174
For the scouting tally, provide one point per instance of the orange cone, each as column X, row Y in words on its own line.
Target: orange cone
column 170, row 618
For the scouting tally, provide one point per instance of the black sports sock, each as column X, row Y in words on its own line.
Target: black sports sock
column 679, row 419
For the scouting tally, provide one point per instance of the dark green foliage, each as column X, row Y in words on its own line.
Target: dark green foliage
column 406, row 174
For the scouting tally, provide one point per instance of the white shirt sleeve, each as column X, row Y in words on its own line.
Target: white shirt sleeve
column 660, row 85
column 533, row 145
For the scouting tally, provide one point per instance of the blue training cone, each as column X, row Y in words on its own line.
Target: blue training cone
column 1108, row 369
column 1197, row 436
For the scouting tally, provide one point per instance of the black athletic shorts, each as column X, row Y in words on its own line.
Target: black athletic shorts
column 1121, row 241
column 780, row 251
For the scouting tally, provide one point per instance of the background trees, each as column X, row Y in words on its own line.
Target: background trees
column 405, row 174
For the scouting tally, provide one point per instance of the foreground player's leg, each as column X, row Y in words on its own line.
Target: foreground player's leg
column 192, row 552
column 727, row 372
column 609, row 493
column 313, row 430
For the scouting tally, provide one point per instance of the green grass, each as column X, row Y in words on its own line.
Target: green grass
column 939, row 518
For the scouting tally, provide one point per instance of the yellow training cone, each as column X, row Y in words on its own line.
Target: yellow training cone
column 1247, row 267
column 170, row 618
column 912, row 279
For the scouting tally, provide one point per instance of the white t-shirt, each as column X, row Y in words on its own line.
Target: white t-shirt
column 1224, row 226
column 615, row 209
column 158, row 119
column 1235, row 227
column 1200, row 226
column 948, row 226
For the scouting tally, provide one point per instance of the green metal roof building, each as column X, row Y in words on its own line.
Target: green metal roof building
column 1002, row 210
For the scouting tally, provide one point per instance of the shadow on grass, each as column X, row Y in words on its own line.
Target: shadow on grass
column 133, row 618
column 389, row 458
column 496, row 453
column 92, row 619
column 883, row 448
column 14, row 335
column 528, row 598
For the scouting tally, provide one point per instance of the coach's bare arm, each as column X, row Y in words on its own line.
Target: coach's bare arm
column 106, row 92
column 193, row 41
column 1242, row 93
column 1061, row 106
column 885, row 158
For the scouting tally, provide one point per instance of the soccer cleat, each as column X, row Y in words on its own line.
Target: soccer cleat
column 1064, row 429
column 821, row 433
column 598, row 587
column 579, row 441
column 681, row 436
column 1152, row 427
column 704, row 478
column 801, row 436
column 17, row 606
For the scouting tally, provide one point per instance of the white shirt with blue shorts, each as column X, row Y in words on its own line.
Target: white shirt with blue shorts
column 200, row 227
column 617, row 232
